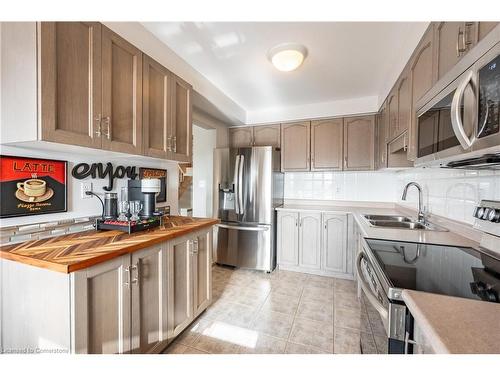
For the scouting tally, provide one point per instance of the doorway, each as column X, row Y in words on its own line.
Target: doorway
column 204, row 143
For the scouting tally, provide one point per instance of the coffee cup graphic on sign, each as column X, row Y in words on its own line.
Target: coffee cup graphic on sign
column 33, row 187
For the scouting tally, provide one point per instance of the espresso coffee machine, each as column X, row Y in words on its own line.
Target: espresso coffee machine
column 145, row 190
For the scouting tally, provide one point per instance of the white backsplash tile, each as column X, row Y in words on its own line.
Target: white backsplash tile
column 362, row 186
column 447, row 192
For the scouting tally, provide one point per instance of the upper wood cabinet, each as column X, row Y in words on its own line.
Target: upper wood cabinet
column 121, row 94
column 422, row 75
column 382, row 125
column 98, row 90
column 392, row 112
column 181, row 129
column 359, row 143
column 156, row 109
column 404, row 104
column 327, row 140
column 70, row 82
column 267, row 135
column 241, row 137
column 295, row 146
column 453, row 41
column 483, row 28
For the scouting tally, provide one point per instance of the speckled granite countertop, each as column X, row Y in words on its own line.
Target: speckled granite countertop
column 455, row 325
column 449, row 238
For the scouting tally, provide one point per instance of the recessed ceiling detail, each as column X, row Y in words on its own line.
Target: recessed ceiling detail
column 346, row 61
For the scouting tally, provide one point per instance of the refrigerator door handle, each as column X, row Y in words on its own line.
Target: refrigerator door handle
column 237, row 227
column 236, row 184
column 240, row 184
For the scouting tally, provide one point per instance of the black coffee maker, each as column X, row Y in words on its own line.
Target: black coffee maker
column 145, row 190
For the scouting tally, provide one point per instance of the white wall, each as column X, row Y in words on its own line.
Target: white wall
column 448, row 192
column 377, row 186
column 204, row 142
column 78, row 207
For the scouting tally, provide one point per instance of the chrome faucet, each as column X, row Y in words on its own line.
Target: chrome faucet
column 421, row 214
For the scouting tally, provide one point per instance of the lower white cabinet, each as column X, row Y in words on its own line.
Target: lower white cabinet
column 314, row 242
column 288, row 238
column 310, row 240
column 335, row 243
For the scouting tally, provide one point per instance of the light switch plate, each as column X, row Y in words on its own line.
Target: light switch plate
column 85, row 186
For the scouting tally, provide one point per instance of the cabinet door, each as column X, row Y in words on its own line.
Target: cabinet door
column 359, row 143
column 404, row 103
column 335, row 243
column 149, row 298
column 382, row 137
column 484, row 28
column 295, row 146
column 101, row 308
column 70, row 82
column 182, row 125
column 288, row 238
column 202, row 271
column 156, row 110
column 122, row 94
column 267, row 135
column 422, row 76
column 310, row 240
column 327, row 140
column 241, row 137
column 392, row 112
column 454, row 39
column 180, row 296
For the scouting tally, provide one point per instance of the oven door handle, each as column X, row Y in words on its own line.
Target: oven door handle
column 368, row 292
column 456, row 116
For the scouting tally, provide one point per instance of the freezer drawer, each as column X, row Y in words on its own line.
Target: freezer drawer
column 246, row 246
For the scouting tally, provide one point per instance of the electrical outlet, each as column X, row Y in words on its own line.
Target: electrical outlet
column 84, row 187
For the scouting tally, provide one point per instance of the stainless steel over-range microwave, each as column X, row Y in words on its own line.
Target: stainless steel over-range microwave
column 460, row 126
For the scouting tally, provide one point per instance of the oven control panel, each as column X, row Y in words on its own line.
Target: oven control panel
column 487, row 217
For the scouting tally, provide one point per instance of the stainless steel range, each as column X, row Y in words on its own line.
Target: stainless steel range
column 385, row 268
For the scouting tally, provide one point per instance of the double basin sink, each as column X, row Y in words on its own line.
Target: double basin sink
column 400, row 222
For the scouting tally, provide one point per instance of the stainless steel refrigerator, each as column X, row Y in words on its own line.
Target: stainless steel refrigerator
column 248, row 186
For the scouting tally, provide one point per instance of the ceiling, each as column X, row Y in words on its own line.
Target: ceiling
column 346, row 60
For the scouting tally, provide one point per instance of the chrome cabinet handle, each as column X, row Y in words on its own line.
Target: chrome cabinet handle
column 456, row 118
column 127, row 283
column 459, row 49
column 174, row 140
column 408, row 341
column 169, row 143
column 135, row 267
column 107, row 121
column 97, row 121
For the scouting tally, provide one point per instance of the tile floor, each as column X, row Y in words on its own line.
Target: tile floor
column 281, row 312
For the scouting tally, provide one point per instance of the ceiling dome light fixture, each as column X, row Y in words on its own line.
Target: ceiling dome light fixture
column 287, row 56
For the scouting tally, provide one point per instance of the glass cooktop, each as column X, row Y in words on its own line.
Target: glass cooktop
column 454, row 271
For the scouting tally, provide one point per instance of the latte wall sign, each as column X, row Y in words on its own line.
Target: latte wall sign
column 31, row 186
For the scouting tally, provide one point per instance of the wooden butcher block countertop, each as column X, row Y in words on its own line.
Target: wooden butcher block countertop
column 73, row 252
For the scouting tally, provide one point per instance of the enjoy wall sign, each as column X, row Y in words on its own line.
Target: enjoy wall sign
column 98, row 170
